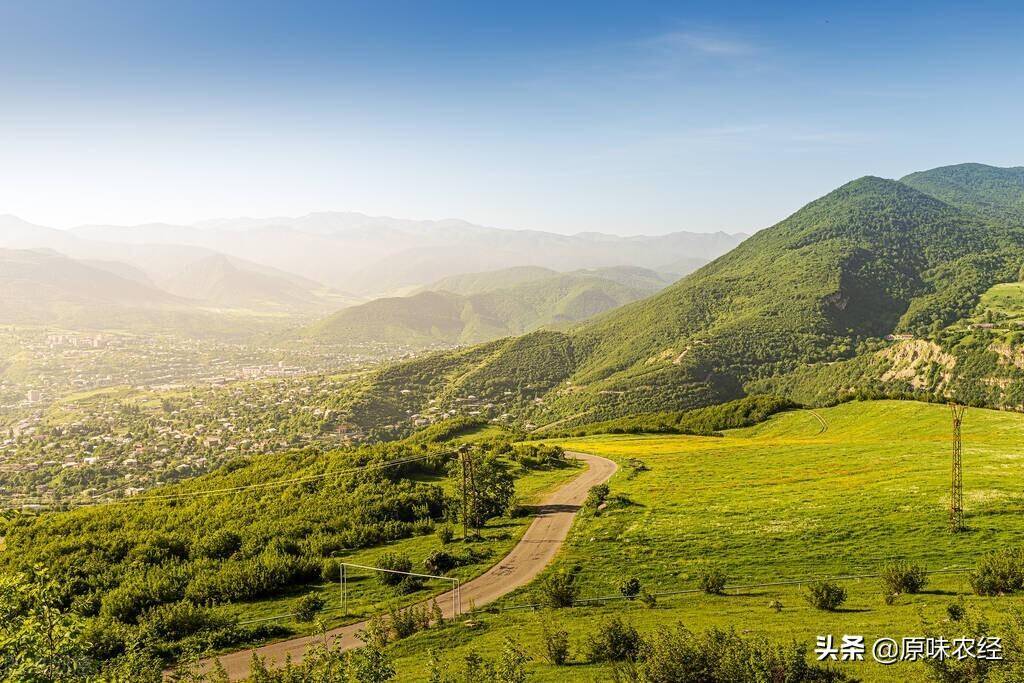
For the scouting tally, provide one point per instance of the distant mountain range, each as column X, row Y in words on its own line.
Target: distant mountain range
column 483, row 306
column 821, row 288
column 317, row 264
column 375, row 256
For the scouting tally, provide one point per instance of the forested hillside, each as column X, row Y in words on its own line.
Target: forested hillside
column 485, row 306
column 872, row 258
column 990, row 191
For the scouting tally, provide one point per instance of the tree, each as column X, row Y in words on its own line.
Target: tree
column 490, row 489
column 39, row 642
column 372, row 665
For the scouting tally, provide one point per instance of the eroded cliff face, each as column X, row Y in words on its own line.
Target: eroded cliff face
column 921, row 363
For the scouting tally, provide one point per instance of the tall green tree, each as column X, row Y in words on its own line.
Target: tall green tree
column 39, row 641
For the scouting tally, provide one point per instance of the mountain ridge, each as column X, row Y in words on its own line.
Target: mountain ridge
column 873, row 257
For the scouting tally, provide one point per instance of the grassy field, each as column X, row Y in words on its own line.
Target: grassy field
column 790, row 499
column 1006, row 298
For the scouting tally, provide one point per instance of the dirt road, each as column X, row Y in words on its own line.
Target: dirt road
column 527, row 559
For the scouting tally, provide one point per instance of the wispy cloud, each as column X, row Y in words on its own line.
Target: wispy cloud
column 703, row 43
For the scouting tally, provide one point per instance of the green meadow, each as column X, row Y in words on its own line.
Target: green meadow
column 834, row 492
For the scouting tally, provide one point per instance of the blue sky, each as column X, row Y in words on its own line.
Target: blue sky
column 631, row 117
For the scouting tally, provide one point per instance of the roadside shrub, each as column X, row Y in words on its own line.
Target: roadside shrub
column 308, row 606
column 394, row 563
column 825, row 595
column 712, row 579
column 899, row 578
column 955, row 611
column 534, row 456
column 408, row 621
column 596, row 496
column 630, row 588
column 614, row 641
column 439, row 562
column 998, row 573
column 556, row 644
column 558, row 589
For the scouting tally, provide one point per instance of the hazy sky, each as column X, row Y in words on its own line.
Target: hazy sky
column 621, row 117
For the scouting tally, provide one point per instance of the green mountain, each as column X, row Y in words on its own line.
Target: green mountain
column 993, row 192
column 871, row 258
column 487, row 307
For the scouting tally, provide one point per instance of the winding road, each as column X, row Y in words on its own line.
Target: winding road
column 534, row 551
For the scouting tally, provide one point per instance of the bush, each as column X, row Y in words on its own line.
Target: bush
column 712, row 579
column 775, row 605
column 558, row 589
column 596, row 496
column 408, row 621
column 955, row 611
column 445, row 534
column 439, row 562
column 676, row 655
column 220, row 545
column 630, row 588
column 308, row 606
column 139, row 592
column 899, row 578
column 614, row 641
column 511, row 665
column 409, row 585
column 177, row 620
column 235, row 580
column 998, row 573
column 393, row 562
column 330, row 570
column 556, row 644
column 825, row 595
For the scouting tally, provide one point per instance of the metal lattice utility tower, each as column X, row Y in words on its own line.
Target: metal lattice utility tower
column 469, row 493
column 956, row 493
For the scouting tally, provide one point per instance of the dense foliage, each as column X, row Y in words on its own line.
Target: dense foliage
column 707, row 421
column 156, row 563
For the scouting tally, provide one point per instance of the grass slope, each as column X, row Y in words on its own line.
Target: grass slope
column 781, row 500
